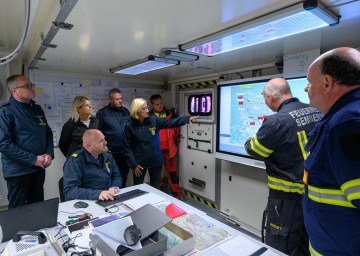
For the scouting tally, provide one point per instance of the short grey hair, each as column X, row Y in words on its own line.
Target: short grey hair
column 113, row 91
column 277, row 90
column 11, row 82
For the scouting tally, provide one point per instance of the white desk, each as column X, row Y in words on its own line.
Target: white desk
column 67, row 208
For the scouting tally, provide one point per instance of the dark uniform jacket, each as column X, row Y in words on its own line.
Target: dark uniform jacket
column 111, row 123
column 142, row 143
column 24, row 134
column 71, row 135
column 86, row 177
column 281, row 140
column 332, row 195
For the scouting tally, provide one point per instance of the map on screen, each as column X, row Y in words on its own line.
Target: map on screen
column 242, row 110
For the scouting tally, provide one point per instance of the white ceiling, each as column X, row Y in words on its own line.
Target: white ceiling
column 110, row 33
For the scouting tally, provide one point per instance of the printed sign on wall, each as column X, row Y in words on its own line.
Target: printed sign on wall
column 296, row 65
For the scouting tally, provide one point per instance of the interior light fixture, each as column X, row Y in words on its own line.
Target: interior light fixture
column 147, row 64
column 180, row 56
column 305, row 16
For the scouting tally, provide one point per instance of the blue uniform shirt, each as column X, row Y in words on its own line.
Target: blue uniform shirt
column 24, row 134
column 85, row 177
column 142, row 141
column 112, row 122
column 334, row 166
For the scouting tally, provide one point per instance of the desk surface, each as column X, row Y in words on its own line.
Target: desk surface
column 67, row 208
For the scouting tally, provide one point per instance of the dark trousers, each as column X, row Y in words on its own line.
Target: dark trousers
column 170, row 162
column 123, row 167
column 285, row 230
column 26, row 189
column 154, row 173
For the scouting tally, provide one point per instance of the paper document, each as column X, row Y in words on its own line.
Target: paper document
column 239, row 246
column 206, row 234
column 138, row 202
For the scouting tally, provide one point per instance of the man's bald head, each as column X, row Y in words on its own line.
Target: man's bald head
column 94, row 142
column 343, row 64
column 89, row 136
column 276, row 91
column 277, row 87
column 332, row 75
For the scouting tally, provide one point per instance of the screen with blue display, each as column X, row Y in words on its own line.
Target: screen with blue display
column 242, row 109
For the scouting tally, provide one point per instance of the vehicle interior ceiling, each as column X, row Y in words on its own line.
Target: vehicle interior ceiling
column 109, row 34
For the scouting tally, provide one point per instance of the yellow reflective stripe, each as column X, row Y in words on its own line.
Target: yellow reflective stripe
column 258, row 148
column 313, row 252
column 329, row 196
column 302, row 143
column 162, row 115
column 284, row 185
column 352, row 189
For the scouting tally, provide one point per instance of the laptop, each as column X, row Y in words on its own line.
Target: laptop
column 30, row 217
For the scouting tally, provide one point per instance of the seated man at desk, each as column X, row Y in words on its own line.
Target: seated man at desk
column 91, row 172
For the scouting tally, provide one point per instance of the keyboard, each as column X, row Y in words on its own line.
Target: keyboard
column 122, row 197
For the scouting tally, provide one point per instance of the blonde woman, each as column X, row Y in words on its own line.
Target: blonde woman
column 81, row 119
column 142, row 141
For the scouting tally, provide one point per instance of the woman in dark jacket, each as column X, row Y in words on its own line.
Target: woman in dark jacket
column 142, row 141
column 81, row 119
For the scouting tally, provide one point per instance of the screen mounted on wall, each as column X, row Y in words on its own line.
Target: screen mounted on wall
column 241, row 111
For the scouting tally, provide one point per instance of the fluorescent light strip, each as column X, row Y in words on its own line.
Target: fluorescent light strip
column 296, row 21
column 180, row 56
column 145, row 65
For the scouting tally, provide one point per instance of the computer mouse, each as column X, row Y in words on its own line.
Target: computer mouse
column 132, row 234
column 81, row 204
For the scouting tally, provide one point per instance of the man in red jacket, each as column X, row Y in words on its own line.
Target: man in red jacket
column 168, row 141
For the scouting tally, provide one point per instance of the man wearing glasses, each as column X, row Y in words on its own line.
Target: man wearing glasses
column 26, row 143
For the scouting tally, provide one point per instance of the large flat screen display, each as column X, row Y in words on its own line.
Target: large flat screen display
column 241, row 111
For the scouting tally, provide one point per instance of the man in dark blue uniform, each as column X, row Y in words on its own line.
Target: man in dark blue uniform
column 112, row 119
column 280, row 142
column 91, row 172
column 332, row 170
column 26, row 143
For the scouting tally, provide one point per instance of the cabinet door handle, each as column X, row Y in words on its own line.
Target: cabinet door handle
column 197, row 182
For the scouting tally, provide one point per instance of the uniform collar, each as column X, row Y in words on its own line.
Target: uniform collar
column 91, row 158
column 342, row 101
column 115, row 108
column 287, row 102
column 21, row 103
column 317, row 131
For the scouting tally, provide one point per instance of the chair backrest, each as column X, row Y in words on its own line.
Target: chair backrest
column 61, row 189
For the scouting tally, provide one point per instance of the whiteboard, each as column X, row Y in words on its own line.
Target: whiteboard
column 56, row 96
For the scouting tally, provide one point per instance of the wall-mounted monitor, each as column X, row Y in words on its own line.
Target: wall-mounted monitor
column 241, row 111
column 200, row 103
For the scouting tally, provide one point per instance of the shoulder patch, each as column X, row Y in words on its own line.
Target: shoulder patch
column 74, row 155
column 349, row 145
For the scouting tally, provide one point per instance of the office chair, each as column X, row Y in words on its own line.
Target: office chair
column 61, row 189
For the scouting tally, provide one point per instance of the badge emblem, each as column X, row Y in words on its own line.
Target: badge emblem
column 152, row 129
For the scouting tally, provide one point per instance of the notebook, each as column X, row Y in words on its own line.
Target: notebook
column 30, row 217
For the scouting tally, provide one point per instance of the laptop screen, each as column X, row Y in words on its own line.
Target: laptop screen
column 30, row 217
